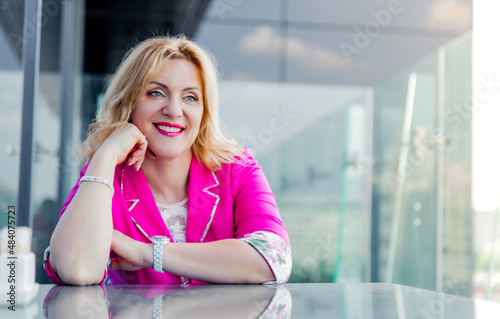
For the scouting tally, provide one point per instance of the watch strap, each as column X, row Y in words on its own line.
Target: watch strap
column 159, row 242
column 157, row 303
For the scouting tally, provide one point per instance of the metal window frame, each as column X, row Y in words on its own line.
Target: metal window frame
column 31, row 63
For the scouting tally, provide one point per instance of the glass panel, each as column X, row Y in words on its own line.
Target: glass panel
column 430, row 15
column 458, row 257
column 308, row 193
column 245, row 53
column 407, row 184
column 271, row 119
column 311, row 59
column 354, row 205
column 11, row 97
column 240, row 11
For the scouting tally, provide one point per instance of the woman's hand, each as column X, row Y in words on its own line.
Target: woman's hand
column 131, row 254
column 126, row 143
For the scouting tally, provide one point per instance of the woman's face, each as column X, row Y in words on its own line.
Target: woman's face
column 170, row 109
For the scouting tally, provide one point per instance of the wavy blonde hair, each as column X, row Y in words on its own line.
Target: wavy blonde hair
column 140, row 65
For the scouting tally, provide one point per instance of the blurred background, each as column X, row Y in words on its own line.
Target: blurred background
column 374, row 122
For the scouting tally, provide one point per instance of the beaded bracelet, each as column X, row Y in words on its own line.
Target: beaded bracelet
column 99, row 180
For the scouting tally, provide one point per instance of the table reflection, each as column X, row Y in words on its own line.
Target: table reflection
column 209, row 301
column 328, row 300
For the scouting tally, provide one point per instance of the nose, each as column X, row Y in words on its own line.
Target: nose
column 172, row 108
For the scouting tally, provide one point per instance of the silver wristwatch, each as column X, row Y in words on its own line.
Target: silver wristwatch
column 159, row 242
column 157, row 304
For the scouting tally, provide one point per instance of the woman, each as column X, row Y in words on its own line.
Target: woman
column 163, row 189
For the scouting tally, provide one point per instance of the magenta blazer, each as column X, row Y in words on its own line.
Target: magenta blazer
column 234, row 201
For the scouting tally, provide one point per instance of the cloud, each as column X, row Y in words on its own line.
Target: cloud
column 264, row 41
column 450, row 14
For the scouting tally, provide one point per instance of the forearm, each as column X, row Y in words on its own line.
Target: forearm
column 81, row 240
column 224, row 261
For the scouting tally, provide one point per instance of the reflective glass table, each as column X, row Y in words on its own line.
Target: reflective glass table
column 366, row 300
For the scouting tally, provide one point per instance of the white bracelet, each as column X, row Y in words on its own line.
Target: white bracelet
column 99, row 180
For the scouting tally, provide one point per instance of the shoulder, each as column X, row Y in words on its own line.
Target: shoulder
column 244, row 173
column 242, row 164
column 245, row 159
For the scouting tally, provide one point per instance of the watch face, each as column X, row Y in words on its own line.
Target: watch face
column 159, row 239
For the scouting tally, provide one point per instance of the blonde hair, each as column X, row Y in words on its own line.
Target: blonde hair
column 139, row 66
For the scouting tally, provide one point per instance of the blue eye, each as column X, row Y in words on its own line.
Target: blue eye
column 191, row 98
column 155, row 93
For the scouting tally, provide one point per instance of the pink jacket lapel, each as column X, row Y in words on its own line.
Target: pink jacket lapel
column 203, row 192
column 141, row 203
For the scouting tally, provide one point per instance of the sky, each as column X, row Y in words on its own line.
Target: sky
column 486, row 115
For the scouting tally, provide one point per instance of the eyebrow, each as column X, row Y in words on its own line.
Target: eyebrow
column 166, row 87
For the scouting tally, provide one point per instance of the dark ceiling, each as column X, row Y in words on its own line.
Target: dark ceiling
column 11, row 20
column 112, row 26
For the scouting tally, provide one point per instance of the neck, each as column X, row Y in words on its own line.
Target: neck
column 168, row 178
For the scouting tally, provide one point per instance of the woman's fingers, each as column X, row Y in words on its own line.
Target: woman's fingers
column 114, row 265
column 138, row 153
column 129, row 144
column 122, row 247
column 120, row 263
column 121, row 244
column 150, row 154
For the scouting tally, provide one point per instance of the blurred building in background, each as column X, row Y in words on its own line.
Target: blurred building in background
column 359, row 113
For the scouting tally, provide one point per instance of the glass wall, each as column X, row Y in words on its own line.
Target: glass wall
column 363, row 167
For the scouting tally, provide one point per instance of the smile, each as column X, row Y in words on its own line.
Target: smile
column 169, row 129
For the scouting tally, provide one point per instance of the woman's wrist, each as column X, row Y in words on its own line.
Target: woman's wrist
column 148, row 255
column 106, row 155
column 102, row 165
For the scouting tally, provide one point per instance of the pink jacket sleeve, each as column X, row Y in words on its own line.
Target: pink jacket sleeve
column 255, row 205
